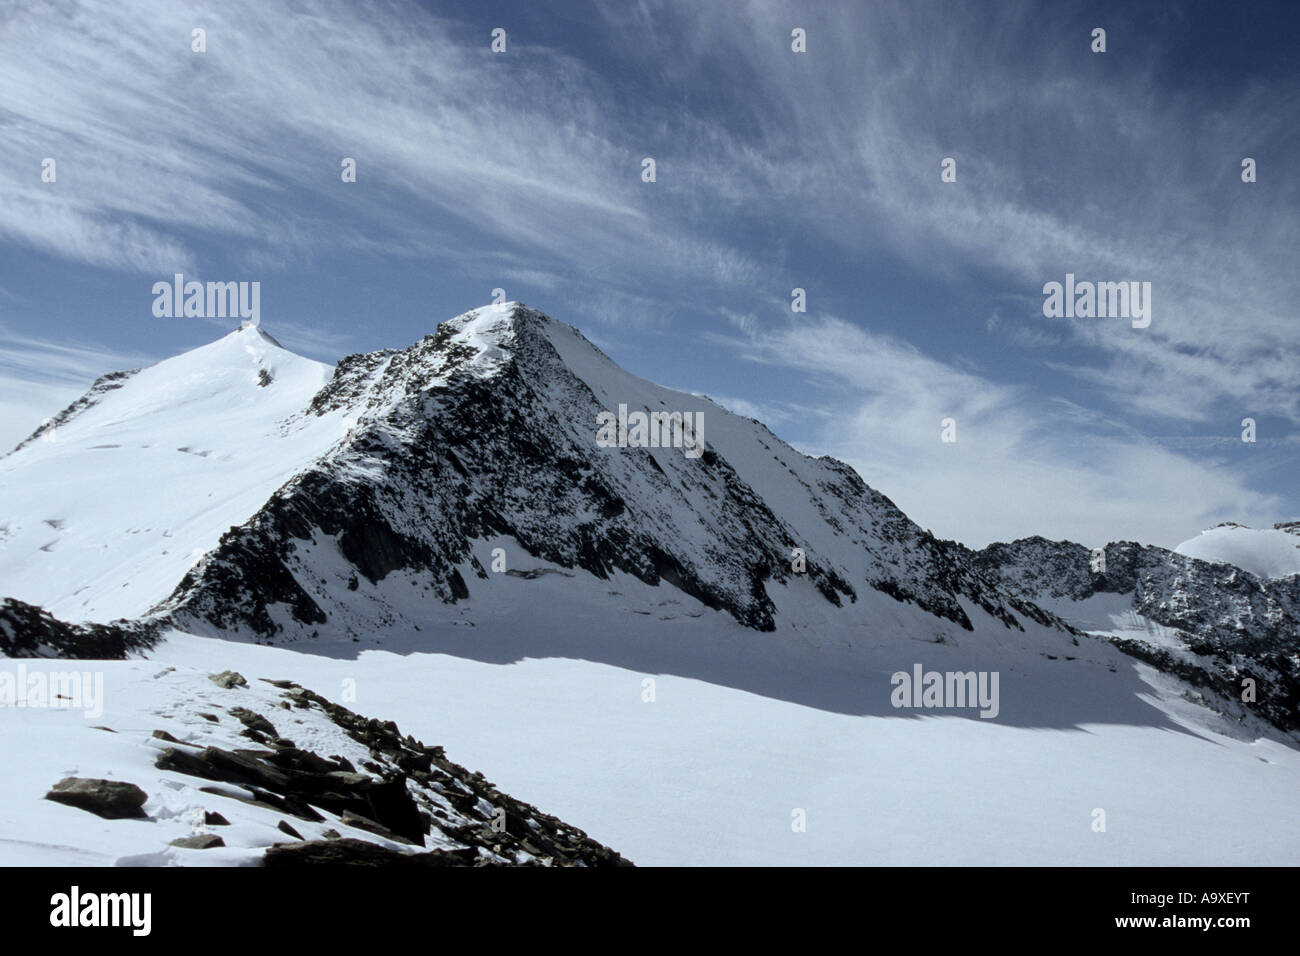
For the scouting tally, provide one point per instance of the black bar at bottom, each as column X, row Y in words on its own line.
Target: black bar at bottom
column 1225, row 905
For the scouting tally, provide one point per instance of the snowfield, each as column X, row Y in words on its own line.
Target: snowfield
column 707, row 774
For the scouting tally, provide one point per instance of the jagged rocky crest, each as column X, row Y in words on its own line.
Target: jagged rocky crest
column 30, row 631
column 373, row 797
column 1233, row 624
column 100, row 387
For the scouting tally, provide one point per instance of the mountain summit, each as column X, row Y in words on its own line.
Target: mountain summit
column 239, row 488
column 483, row 436
column 112, row 501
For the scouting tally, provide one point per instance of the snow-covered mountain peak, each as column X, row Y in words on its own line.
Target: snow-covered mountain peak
column 495, row 323
column 255, row 328
column 485, row 340
column 249, row 342
column 489, row 430
column 110, row 502
column 1264, row 552
column 488, row 338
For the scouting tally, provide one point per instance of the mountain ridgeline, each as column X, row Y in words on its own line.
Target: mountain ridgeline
column 1227, row 625
column 486, row 429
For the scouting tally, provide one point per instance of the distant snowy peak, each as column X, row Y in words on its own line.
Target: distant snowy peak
column 105, row 508
column 227, row 370
column 1267, row 553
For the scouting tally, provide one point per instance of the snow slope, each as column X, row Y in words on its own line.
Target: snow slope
column 103, row 514
column 547, row 695
column 1266, row 552
column 710, row 774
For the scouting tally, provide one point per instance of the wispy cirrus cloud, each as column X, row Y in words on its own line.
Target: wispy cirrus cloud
column 1067, row 161
column 1093, row 167
column 32, row 359
column 158, row 146
column 775, row 170
column 1018, row 466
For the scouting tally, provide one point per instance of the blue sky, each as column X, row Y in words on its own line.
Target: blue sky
column 775, row 170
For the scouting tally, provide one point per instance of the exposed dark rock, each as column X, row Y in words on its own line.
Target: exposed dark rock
column 199, row 841
column 29, row 631
column 253, row 721
column 1237, row 624
column 385, row 802
column 349, row 852
column 284, row 827
column 348, row 818
column 111, row 799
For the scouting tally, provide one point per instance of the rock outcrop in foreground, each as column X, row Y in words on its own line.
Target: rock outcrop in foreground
column 378, row 798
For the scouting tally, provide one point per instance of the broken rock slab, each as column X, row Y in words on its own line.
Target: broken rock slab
column 110, row 799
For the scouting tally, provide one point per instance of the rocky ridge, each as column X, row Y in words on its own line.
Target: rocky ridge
column 384, row 799
column 483, row 430
column 30, row 631
column 1233, row 624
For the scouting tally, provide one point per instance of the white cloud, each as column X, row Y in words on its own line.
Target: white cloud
column 1018, row 467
